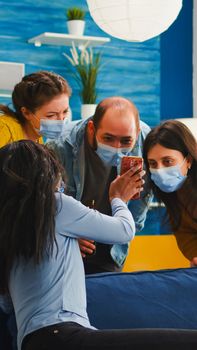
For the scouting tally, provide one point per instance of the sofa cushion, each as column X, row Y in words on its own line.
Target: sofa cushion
column 149, row 299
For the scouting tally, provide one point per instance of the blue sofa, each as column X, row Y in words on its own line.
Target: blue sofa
column 147, row 299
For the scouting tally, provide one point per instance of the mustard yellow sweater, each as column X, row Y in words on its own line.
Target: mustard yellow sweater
column 11, row 130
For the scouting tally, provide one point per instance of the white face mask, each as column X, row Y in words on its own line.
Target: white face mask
column 168, row 179
column 52, row 129
column 111, row 155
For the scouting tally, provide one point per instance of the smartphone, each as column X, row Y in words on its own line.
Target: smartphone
column 129, row 162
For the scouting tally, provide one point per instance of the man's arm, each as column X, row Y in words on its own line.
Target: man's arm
column 64, row 153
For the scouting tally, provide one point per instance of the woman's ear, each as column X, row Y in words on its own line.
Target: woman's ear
column 189, row 160
column 91, row 132
column 26, row 113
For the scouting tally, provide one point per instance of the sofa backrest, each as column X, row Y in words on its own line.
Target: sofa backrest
column 149, row 299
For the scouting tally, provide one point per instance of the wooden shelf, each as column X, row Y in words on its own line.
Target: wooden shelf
column 67, row 39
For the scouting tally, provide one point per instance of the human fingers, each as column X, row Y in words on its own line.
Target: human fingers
column 134, row 184
column 131, row 190
column 86, row 246
column 134, row 170
column 193, row 262
column 126, row 185
column 138, row 175
column 135, row 180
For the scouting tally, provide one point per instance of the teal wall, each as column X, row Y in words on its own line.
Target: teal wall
column 130, row 69
column 156, row 74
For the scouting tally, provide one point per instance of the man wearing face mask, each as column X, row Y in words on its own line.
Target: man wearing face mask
column 91, row 153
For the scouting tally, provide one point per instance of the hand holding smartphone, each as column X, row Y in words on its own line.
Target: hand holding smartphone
column 129, row 162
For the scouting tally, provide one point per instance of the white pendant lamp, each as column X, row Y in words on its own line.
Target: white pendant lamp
column 134, row 20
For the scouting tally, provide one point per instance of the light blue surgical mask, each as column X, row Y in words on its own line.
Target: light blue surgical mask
column 52, row 129
column 111, row 156
column 168, row 179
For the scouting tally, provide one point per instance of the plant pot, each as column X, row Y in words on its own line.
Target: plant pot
column 87, row 110
column 76, row 27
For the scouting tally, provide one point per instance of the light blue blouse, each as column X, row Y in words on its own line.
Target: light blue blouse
column 54, row 291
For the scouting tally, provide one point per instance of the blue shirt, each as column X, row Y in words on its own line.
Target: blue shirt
column 54, row 291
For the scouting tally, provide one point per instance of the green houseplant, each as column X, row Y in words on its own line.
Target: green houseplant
column 75, row 13
column 75, row 20
column 85, row 65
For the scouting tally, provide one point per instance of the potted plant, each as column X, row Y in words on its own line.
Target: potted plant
column 75, row 21
column 85, row 65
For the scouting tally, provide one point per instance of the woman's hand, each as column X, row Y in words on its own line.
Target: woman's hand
column 193, row 262
column 86, row 247
column 127, row 185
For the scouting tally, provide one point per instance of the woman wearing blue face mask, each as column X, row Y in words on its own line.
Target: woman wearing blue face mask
column 170, row 153
column 41, row 107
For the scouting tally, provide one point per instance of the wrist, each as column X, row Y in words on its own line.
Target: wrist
column 116, row 197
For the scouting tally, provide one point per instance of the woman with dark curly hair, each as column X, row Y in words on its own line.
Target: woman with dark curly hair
column 170, row 154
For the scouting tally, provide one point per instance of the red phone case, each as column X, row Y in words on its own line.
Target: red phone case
column 127, row 163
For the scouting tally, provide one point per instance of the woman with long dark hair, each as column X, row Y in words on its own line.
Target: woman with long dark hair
column 40, row 108
column 42, row 265
column 170, row 154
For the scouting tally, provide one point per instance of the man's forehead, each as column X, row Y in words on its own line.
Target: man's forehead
column 119, row 126
column 118, row 135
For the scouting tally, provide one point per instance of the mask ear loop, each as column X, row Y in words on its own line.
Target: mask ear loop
column 190, row 160
column 189, row 166
column 182, row 162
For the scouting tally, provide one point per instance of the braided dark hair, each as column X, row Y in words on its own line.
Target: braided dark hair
column 35, row 90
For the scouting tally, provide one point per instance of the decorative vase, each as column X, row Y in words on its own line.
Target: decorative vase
column 87, row 110
column 76, row 27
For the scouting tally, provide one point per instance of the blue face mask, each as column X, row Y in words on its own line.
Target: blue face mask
column 168, row 179
column 111, row 156
column 52, row 129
